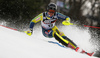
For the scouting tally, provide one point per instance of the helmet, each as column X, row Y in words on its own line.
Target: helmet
column 52, row 6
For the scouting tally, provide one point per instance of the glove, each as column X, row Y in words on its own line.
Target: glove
column 29, row 32
column 66, row 23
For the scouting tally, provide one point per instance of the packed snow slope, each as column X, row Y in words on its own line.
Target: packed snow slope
column 15, row 44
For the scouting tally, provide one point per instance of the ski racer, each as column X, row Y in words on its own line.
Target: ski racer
column 48, row 20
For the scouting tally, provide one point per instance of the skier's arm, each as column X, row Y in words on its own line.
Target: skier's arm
column 65, row 18
column 33, row 21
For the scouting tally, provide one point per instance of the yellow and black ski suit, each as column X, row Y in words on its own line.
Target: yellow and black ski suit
column 50, row 30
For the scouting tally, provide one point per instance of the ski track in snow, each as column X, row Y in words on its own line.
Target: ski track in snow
column 14, row 44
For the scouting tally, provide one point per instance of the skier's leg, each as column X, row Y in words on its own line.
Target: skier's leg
column 60, row 36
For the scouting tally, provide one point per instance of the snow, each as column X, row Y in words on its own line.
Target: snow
column 14, row 44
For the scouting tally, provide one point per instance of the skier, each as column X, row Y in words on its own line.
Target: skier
column 48, row 20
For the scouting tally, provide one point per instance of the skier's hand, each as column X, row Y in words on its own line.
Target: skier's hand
column 66, row 23
column 29, row 32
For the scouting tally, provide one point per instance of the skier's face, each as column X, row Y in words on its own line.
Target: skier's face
column 51, row 12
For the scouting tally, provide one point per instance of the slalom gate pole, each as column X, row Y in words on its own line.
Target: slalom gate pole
column 11, row 28
column 91, row 26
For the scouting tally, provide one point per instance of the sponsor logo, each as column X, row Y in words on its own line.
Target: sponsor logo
column 37, row 19
column 46, row 32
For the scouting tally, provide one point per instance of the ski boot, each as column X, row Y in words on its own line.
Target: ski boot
column 70, row 46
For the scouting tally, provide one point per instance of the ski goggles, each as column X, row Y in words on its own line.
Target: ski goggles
column 52, row 11
column 53, row 8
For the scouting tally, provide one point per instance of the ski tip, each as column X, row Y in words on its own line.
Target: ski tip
column 90, row 54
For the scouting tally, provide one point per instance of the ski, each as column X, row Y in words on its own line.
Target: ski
column 90, row 54
column 57, row 44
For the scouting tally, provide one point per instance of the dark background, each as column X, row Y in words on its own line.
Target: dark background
column 20, row 12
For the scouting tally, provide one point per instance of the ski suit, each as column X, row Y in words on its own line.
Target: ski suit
column 50, row 30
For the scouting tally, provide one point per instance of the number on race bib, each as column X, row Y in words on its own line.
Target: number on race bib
column 50, row 25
